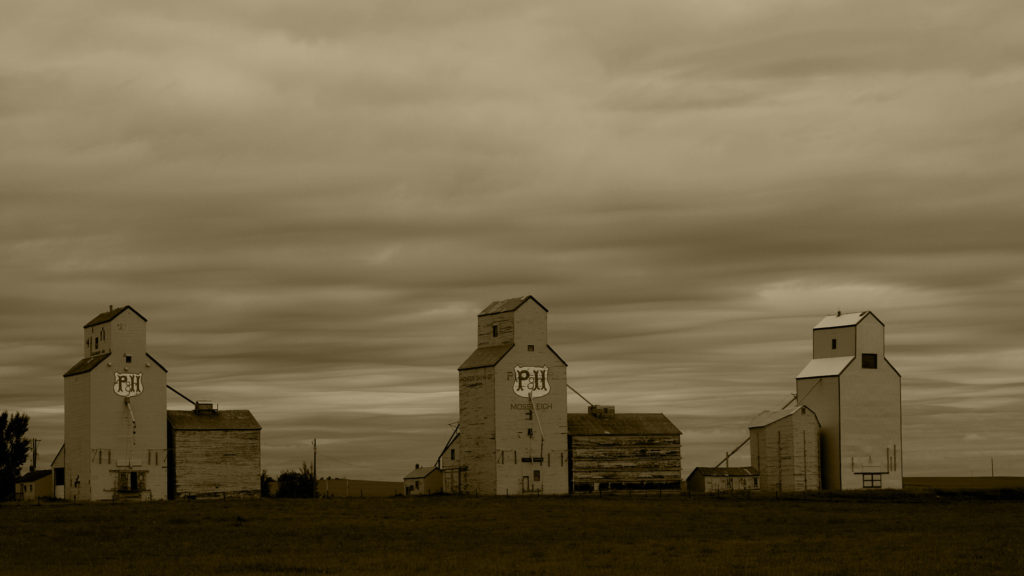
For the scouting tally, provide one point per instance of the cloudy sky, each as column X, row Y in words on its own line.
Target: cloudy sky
column 311, row 201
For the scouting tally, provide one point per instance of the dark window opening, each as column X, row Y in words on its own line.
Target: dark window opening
column 529, row 347
column 529, row 432
column 871, row 480
column 453, row 454
column 833, row 343
column 869, row 361
column 97, row 342
column 494, row 331
column 127, row 358
column 536, row 475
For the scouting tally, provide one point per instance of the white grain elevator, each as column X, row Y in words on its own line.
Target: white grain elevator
column 855, row 393
column 115, row 414
column 512, row 406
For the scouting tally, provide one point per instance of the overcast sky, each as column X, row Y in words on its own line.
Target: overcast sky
column 311, row 201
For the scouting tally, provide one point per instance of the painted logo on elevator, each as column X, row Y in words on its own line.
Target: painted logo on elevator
column 530, row 380
column 127, row 384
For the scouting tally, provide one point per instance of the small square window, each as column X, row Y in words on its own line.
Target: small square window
column 869, row 361
column 833, row 343
column 871, row 480
column 127, row 358
column 529, row 347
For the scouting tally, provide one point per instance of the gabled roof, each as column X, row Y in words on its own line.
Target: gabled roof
column 86, row 364
column 155, row 361
column 421, row 472
column 33, row 476
column 486, row 356
column 765, row 418
column 564, row 363
column 58, row 460
column 839, row 320
column 508, row 305
column 110, row 315
column 620, row 425
column 219, row 420
column 821, row 367
column 740, row 471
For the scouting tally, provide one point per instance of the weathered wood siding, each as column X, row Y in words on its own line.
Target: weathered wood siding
column 786, row 453
column 625, row 462
column 216, row 463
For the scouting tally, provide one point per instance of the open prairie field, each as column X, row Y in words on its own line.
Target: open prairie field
column 881, row 533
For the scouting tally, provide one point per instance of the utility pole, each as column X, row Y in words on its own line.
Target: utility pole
column 35, row 450
column 315, row 477
column 992, row 461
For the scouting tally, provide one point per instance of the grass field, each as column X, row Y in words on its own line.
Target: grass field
column 880, row 533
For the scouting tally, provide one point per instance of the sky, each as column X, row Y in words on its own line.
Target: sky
column 310, row 201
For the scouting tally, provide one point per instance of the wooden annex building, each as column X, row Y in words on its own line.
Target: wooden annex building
column 706, row 480
column 784, row 449
column 630, row 452
column 212, row 453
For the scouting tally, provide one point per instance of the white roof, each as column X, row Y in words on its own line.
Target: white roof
column 820, row 367
column 835, row 321
column 765, row 418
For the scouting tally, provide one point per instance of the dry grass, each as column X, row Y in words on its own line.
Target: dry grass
column 929, row 533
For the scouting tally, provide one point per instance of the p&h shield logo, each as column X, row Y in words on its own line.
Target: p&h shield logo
column 127, row 384
column 530, row 380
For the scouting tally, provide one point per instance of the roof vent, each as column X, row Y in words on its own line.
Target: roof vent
column 203, row 407
column 601, row 411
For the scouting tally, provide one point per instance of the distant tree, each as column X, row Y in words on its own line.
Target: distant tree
column 13, row 451
column 300, row 484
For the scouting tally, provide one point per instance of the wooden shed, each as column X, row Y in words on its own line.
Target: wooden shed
column 213, row 453
column 622, row 452
column 710, row 480
column 423, row 481
column 784, row 448
column 34, row 485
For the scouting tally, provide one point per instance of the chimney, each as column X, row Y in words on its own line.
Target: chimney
column 601, row 411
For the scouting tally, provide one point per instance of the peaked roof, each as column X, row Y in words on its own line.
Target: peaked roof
column 838, row 320
column 111, row 314
column 220, row 420
column 765, row 418
column 35, row 475
column 421, row 472
column 620, row 425
column 486, row 356
column 508, row 305
column 821, row 367
column 86, row 364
